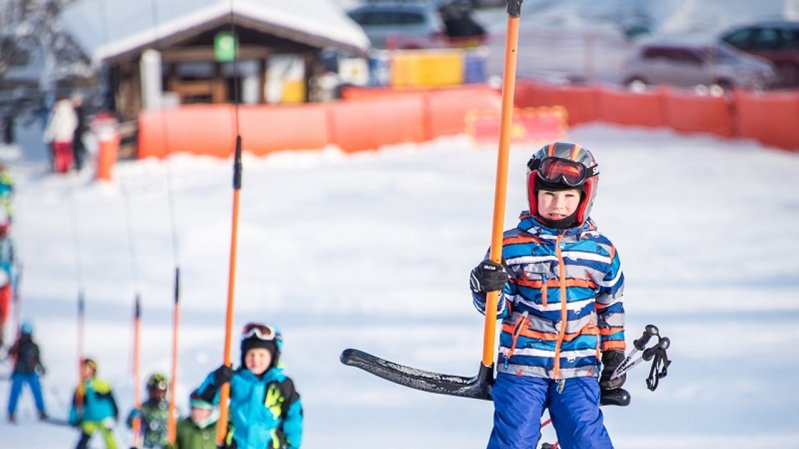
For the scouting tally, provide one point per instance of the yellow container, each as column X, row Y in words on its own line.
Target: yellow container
column 293, row 91
column 427, row 69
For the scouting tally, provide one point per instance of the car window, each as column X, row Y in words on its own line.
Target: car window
column 387, row 17
column 740, row 38
column 766, row 39
column 789, row 39
column 684, row 56
column 653, row 53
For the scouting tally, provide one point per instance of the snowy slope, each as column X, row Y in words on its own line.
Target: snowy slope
column 373, row 251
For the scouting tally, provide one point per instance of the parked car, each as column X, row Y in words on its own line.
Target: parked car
column 689, row 64
column 776, row 41
column 412, row 25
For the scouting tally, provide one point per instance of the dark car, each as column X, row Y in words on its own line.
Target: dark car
column 417, row 24
column 776, row 41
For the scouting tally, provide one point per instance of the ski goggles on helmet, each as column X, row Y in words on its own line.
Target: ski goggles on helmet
column 564, row 171
column 160, row 385
column 260, row 331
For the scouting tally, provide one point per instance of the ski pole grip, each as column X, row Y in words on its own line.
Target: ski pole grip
column 662, row 345
column 650, row 331
column 514, row 8
column 237, row 165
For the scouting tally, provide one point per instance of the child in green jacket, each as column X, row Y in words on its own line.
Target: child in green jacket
column 198, row 430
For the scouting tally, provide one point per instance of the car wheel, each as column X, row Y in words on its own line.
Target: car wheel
column 720, row 87
column 636, row 84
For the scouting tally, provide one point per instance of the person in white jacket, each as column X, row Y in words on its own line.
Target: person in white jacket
column 59, row 133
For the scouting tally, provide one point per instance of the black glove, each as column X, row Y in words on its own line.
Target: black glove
column 610, row 361
column 222, row 375
column 488, row 276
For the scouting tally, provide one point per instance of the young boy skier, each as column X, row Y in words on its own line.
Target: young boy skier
column 265, row 408
column 154, row 413
column 93, row 407
column 560, row 302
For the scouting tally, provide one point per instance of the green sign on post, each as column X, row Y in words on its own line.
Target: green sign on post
column 225, row 46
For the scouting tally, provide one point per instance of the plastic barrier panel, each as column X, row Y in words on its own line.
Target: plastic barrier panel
column 686, row 112
column 427, row 69
column 446, row 110
column 581, row 102
column 198, row 129
column 630, row 108
column 270, row 128
column 770, row 118
column 530, row 125
column 370, row 124
column 208, row 129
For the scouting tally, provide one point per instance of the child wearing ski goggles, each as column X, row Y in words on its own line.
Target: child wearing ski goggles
column 560, row 301
column 265, row 408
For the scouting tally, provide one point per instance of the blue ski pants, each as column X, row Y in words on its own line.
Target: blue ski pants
column 17, row 382
column 519, row 403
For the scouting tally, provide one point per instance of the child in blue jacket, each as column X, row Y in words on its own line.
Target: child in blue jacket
column 560, row 302
column 265, row 408
column 94, row 408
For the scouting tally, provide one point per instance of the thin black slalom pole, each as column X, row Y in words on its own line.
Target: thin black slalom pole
column 479, row 386
column 172, row 417
column 224, row 392
column 136, row 424
column 73, row 220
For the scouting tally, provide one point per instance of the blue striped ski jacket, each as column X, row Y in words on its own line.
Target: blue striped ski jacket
column 562, row 304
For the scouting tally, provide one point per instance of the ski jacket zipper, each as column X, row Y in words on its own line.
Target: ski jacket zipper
column 563, row 305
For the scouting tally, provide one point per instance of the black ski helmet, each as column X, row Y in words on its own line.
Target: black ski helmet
column 548, row 169
column 258, row 335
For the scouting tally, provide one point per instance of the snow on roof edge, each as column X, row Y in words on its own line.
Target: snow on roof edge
column 347, row 34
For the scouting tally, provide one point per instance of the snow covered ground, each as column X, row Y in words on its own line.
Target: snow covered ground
column 373, row 251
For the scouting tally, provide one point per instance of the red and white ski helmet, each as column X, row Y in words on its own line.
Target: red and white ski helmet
column 561, row 166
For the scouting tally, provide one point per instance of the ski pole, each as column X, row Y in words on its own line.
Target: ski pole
column 224, row 393
column 500, row 189
column 638, row 345
column 17, row 301
column 659, row 351
column 172, row 419
column 136, row 424
column 659, row 365
column 79, row 390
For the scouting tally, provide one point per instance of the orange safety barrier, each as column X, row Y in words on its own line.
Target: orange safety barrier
column 370, row 124
column 580, row 102
column 376, row 117
column 198, row 129
column 446, row 110
column 265, row 129
column 629, row 108
column 770, row 118
column 209, row 129
column 530, row 125
column 687, row 112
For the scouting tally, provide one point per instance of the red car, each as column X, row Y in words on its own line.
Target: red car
column 776, row 41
